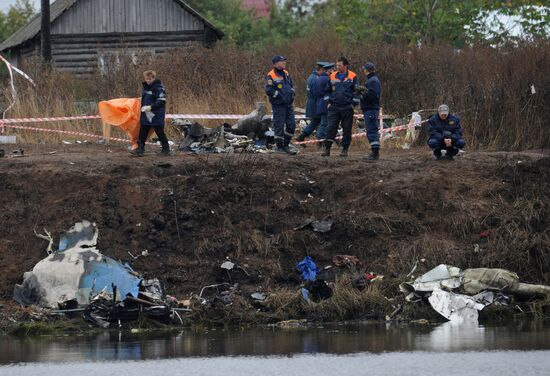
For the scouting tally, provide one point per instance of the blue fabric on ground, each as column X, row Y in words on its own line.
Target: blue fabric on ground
column 308, row 269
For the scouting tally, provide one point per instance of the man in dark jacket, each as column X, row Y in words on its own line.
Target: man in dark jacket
column 340, row 104
column 153, row 111
column 280, row 90
column 445, row 133
column 370, row 105
column 316, row 108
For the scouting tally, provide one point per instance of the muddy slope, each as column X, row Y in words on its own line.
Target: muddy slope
column 191, row 212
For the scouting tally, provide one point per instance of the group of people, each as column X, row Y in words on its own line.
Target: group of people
column 333, row 91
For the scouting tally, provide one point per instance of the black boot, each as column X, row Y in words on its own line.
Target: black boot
column 139, row 151
column 326, row 151
column 301, row 137
column 374, row 155
column 451, row 152
column 344, row 153
column 437, row 154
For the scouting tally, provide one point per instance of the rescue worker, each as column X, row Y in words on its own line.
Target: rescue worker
column 445, row 133
column 316, row 108
column 340, row 101
column 280, row 90
column 153, row 111
column 370, row 105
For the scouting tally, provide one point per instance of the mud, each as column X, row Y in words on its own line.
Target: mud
column 485, row 209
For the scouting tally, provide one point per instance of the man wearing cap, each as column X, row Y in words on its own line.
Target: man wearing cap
column 340, row 101
column 318, row 111
column 370, row 105
column 445, row 133
column 280, row 90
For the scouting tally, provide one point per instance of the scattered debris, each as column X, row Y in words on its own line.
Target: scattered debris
column 77, row 277
column 77, row 270
column 143, row 253
column 308, row 269
column 48, row 237
column 346, row 260
column 259, row 296
column 316, row 291
column 289, row 324
column 228, row 265
column 317, row 226
column 8, row 139
column 455, row 307
column 458, row 294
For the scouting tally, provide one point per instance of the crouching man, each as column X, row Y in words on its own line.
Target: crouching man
column 445, row 133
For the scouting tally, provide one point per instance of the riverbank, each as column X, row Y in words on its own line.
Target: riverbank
column 192, row 212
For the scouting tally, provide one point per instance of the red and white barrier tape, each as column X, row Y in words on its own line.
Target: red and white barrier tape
column 49, row 130
column 411, row 125
column 10, row 123
column 12, row 69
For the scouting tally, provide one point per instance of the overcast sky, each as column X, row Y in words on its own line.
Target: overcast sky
column 5, row 4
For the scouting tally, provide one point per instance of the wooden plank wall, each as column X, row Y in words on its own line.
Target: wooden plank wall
column 125, row 16
column 81, row 54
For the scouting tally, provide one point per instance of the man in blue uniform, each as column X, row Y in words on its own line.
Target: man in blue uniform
column 445, row 133
column 370, row 105
column 153, row 111
column 316, row 108
column 280, row 90
column 340, row 104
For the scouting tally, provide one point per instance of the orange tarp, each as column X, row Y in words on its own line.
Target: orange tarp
column 123, row 113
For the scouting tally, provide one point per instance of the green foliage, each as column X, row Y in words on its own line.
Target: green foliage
column 16, row 16
column 413, row 22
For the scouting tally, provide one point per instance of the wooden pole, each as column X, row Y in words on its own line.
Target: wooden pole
column 45, row 31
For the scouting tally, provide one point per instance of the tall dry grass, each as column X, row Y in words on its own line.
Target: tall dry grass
column 491, row 89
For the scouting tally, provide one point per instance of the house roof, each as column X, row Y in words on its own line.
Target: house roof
column 32, row 28
column 262, row 8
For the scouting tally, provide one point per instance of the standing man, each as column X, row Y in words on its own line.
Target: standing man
column 153, row 111
column 370, row 105
column 280, row 90
column 316, row 109
column 445, row 133
column 340, row 102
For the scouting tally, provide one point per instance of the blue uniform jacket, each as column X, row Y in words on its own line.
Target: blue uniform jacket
column 322, row 92
column 154, row 95
column 370, row 100
column 279, row 87
column 438, row 128
column 343, row 93
column 310, row 103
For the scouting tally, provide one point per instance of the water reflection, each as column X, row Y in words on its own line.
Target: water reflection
column 339, row 339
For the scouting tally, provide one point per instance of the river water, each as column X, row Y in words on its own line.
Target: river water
column 379, row 350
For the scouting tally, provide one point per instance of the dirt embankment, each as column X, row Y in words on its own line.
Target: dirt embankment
column 192, row 211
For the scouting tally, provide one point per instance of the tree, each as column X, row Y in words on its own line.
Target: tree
column 425, row 21
column 16, row 17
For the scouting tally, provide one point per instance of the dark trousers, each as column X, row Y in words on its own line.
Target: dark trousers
column 371, row 127
column 319, row 123
column 159, row 130
column 339, row 117
column 283, row 115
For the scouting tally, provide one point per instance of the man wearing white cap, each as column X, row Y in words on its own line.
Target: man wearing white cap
column 445, row 133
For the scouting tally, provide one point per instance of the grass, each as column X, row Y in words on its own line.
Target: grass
column 489, row 88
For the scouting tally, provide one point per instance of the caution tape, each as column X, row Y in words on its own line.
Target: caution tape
column 11, row 123
column 363, row 134
column 49, row 130
column 94, row 117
